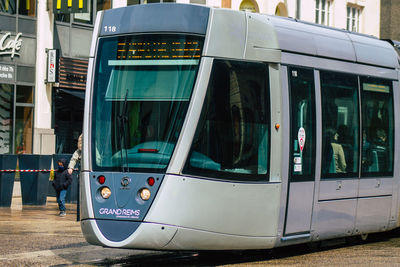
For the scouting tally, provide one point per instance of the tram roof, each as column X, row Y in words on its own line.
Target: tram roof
column 322, row 41
column 292, row 35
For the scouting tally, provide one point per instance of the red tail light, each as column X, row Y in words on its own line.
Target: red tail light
column 101, row 179
column 151, row 181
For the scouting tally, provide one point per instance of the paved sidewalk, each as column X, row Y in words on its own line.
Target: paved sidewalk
column 37, row 236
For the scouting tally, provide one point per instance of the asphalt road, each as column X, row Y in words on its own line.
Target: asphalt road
column 37, row 236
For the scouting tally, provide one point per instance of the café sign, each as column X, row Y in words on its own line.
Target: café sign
column 10, row 46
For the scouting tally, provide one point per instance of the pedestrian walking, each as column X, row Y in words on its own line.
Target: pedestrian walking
column 62, row 180
column 76, row 157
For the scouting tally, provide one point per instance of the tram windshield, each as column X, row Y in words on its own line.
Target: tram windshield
column 142, row 89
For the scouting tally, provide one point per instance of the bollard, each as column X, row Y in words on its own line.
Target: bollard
column 7, row 162
column 34, row 185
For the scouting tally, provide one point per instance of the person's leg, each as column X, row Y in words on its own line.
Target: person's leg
column 63, row 193
column 58, row 199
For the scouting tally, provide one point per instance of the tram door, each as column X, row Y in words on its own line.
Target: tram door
column 336, row 210
column 302, row 151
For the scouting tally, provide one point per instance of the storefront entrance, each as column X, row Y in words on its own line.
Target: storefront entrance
column 68, row 118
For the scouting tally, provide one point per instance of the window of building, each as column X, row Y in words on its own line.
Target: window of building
column 6, row 117
column 86, row 18
column 23, row 130
column 16, row 129
column 201, row 2
column 323, row 12
column 8, row 6
column 378, row 127
column 24, row 7
column 340, row 125
column 281, row 10
column 23, row 120
column 24, row 94
column 27, row 7
column 62, row 17
column 103, row 4
column 139, row 2
column 302, row 105
column 353, row 18
column 232, row 137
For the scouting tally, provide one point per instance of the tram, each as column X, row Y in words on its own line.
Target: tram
column 213, row 129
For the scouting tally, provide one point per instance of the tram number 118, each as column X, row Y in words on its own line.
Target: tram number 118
column 110, row 28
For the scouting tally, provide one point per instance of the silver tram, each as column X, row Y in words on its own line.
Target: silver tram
column 214, row 129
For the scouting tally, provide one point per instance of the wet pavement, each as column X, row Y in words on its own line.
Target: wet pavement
column 37, row 236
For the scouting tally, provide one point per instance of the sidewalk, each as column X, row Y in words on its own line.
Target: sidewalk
column 37, row 236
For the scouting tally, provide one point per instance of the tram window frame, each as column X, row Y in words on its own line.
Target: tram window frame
column 332, row 133
column 218, row 121
column 379, row 93
column 305, row 159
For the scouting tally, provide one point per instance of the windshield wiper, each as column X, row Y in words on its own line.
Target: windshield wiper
column 123, row 124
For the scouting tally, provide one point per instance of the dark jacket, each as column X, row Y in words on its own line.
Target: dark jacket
column 62, row 179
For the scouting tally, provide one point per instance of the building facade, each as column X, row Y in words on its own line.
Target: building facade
column 42, row 116
column 390, row 20
column 353, row 15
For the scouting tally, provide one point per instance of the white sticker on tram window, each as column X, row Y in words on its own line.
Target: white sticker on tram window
column 297, row 160
column 301, row 137
column 297, row 168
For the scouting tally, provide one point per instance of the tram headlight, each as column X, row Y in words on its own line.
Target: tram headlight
column 105, row 192
column 145, row 194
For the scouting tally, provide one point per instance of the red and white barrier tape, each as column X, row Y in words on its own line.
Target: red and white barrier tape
column 30, row 170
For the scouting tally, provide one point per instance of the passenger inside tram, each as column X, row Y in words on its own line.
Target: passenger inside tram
column 337, row 151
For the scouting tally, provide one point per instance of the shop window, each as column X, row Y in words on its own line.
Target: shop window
column 24, row 94
column 27, row 7
column 23, row 129
column 62, row 17
column 23, row 120
column 340, row 125
column 232, row 137
column 378, row 127
column 8, row 6
column 6, row 117
column 68, row 118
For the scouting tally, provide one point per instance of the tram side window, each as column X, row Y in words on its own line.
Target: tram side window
column 340, row 125
column 232, row 138
column 302, row 105
column 378, row 127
